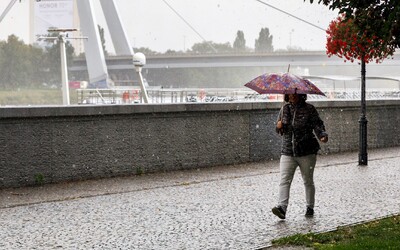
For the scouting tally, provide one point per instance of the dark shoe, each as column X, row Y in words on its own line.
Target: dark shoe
column 309, row 212
column 278, row 211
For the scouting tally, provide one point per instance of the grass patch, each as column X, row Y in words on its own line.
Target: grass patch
column 26, row 97
column 379, row 234
column 39, row 179
column 139, row 171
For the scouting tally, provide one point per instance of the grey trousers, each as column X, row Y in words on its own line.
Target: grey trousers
column 288, row 165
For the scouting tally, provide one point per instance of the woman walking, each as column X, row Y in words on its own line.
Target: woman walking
column 299, row 124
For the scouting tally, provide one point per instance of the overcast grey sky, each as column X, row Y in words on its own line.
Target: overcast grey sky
column 152, row 24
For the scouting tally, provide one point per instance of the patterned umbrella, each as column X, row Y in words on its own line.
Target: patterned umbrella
column 282, row 83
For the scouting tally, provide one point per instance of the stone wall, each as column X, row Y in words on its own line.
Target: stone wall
column 56, row 144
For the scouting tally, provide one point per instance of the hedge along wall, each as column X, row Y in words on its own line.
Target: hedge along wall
column 55, row 144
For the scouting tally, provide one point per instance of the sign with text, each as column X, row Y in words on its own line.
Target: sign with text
column 53, row 14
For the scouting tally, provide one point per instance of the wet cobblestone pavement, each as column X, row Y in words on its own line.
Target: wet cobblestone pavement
column 217, row 208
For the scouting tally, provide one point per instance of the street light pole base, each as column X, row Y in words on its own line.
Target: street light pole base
column 363, row 156
column 363, row 159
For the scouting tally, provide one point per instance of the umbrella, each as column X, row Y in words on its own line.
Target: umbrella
column 283, row 83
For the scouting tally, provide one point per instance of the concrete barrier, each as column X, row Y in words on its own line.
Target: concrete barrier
column 55, row 144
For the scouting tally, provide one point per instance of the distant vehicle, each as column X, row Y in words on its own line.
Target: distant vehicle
column 219, row 99
column 191, row 98
column 78, row 84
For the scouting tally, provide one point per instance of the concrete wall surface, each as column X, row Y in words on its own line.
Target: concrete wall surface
column 55, row 144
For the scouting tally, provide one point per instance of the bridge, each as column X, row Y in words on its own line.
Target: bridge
column 303, row 58
column 312, row 64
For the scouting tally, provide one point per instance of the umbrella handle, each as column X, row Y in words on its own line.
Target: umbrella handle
column 280, row 113
column 288, row 68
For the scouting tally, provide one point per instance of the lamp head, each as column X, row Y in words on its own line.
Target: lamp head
column 139, row 59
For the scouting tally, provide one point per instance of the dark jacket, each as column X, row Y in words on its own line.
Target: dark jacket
column 299, row 121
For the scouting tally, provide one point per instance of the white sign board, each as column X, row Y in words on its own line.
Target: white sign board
column 53, row 14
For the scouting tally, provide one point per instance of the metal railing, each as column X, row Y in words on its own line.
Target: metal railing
column 160, row 95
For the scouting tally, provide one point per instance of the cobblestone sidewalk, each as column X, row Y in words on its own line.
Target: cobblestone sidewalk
column 217, row 208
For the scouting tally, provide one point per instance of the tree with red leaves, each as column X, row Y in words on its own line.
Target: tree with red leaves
column 346, row 40
column 374, row 17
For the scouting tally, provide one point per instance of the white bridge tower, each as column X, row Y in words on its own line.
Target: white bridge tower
column 95, row 58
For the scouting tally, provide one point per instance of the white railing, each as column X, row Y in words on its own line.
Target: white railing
column 190, row 95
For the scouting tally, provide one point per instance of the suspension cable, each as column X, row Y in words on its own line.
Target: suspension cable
column 183, row 19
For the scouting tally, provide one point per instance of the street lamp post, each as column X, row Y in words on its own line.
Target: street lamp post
column 64, row 70
column 139, row 60
column 363, row 156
